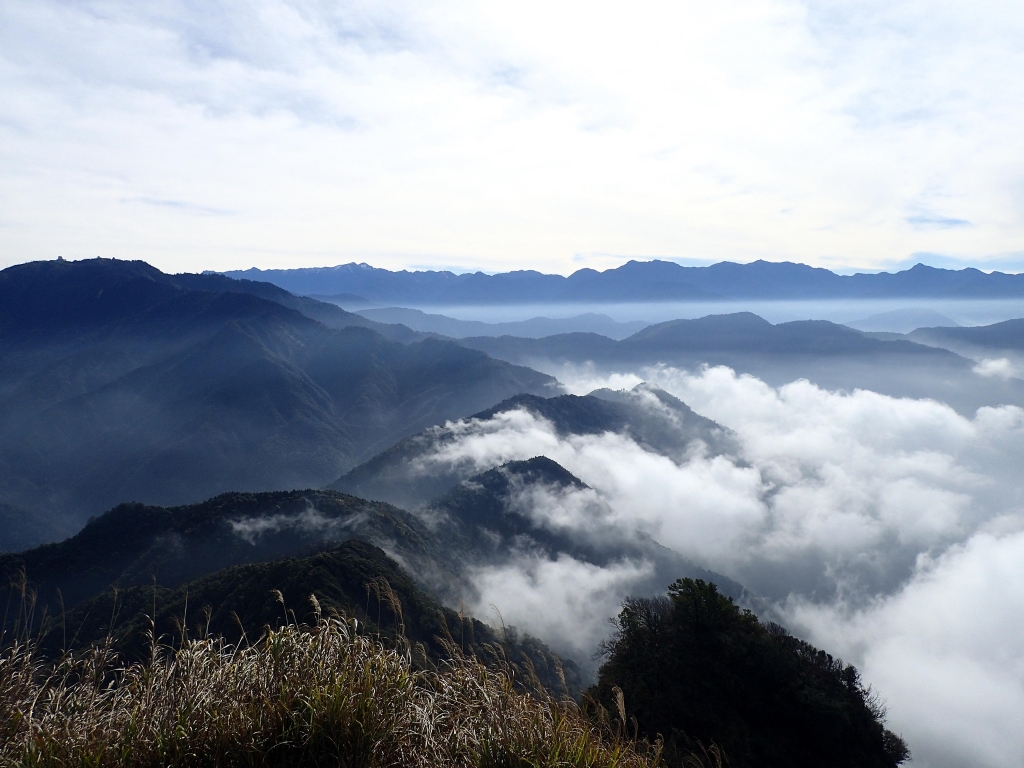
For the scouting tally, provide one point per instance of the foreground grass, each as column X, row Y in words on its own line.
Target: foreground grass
column 301, row 696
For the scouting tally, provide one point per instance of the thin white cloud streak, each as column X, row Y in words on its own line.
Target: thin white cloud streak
column 410, row 133
column 889, row 531
column 310, row 522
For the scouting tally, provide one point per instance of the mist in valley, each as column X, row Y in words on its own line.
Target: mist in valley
column 888, row 530
column 965, row 312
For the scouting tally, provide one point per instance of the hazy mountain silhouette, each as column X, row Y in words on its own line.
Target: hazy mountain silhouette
column 1006, row 335
column 535, row 327
column 638, row 281
column 902, row 321
column 653, row 418
column 350, row 300
column 739, row 333
column 23, row 529
column 118, row 382
column 830, row 355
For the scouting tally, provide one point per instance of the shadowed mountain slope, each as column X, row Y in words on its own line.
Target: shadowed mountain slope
column 135, row 545
column 1008, row 335
column 116, row 384
column 80, row 294
column 231, row 551
column 504, row 513
column 653, row 418
column 23, row 529
column 355, row 579
column 478, row 522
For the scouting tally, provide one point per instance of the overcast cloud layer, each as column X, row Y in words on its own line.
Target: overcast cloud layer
column 890, row 532
column 550, row 135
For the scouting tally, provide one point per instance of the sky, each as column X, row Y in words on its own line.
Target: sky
column 530, row 135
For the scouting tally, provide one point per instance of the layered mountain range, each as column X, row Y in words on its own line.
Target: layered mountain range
column 424, row 536
column 921, row 364
column 121, row 383
column 118, row 382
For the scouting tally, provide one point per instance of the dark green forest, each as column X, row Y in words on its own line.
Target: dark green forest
column 699, row 671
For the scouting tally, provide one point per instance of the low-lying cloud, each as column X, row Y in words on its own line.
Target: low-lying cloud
column 890, row 531
column 565, row 601
column 944, row 650
column 998, row 368
column 309, row 522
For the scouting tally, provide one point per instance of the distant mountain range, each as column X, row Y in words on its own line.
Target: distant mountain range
column 127, row 396
column 919, row 365
column 636, row 281
column 535, row 327
column 997, row 342
column 121, row 383
column 708, row 338
column 902, row 321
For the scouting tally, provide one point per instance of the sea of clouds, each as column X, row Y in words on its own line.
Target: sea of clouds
column 888, row 531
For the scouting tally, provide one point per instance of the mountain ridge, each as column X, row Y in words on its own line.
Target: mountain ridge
column 653, row 418
column 536, row 327
column 738, row 332
column 121, row 383
column 639, row 281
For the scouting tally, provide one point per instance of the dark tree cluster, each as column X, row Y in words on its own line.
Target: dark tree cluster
column 697, row 670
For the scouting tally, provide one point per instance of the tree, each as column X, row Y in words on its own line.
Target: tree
column 696, row 669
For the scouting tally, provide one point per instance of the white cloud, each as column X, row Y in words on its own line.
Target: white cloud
column 448, row 132
column 564, row 601
column 310, row 521
column 945, row 651
column 853, row 486
column 889, row 531
column 1000, row 368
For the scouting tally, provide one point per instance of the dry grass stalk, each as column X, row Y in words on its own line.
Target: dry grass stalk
column 320, row 695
